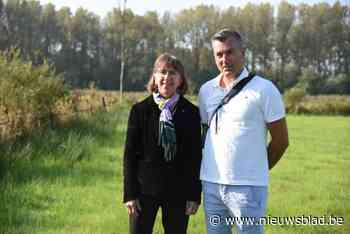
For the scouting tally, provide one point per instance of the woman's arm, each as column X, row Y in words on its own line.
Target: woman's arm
column 131, row 153
column 194, row 156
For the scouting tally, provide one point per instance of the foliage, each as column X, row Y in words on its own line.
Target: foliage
column 28, row 93
column 86, row 47
column 293, row 97
column 298, row 102
column 324, row 105
column 338, row 84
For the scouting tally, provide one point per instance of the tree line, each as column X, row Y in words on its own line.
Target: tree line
column 305, row 45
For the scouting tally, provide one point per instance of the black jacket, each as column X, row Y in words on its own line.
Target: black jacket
column 145, row 170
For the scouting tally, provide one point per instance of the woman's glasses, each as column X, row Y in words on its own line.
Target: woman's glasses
column 164, row 72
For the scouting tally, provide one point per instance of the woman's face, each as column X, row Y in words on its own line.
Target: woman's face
column 167, row 80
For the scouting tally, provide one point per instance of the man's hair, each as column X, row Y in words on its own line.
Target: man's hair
column 225, row 34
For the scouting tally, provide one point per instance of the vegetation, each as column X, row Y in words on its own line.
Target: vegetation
column 73, row 182
column 28, row 94
column 297, row 102
column 62, row 173
column 289, row 44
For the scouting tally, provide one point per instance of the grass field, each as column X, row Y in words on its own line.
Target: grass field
column 70, row 180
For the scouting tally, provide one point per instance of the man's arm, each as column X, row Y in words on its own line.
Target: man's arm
column 279, row 141
column 203, row 114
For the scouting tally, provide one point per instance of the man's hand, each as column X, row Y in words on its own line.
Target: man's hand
column 191, row 207
column 279, row 141
column 133, row 207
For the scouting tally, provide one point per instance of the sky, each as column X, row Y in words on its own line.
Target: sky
column 101, row 7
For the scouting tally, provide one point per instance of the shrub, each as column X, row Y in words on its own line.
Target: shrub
column 339, row 84
column 325, row 105
column 28, row 93
column 293, row 97
column 311, row 81
column 320, row 105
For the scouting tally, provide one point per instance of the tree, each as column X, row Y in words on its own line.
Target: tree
column 64, row 58
column 284, row 21
column 194, row 29
column 300, row 40
column 167, row 22
column 84, row 32
column 247, row 27
column 264, row 31
column 344, row 42
column 50, row 30
column 149, row 36
column 3, row 26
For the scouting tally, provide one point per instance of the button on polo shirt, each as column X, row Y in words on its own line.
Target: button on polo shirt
column 237, row 153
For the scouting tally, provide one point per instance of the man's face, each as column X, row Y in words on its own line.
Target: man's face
column 229, row 56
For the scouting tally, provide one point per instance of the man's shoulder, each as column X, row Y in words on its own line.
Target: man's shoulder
column 208, row 85
column 264, row 88
column 262, row 84
column 260, row 80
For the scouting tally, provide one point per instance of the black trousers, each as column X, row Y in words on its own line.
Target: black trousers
column 174, row 219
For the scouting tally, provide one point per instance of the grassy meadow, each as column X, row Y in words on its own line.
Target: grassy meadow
column 69, row 180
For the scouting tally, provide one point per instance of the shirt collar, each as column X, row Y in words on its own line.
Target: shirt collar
column 244, row 74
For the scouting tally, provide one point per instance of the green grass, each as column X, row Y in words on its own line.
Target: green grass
column 70, row 180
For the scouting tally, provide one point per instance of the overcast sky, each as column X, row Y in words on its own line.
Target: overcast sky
column 101, row 7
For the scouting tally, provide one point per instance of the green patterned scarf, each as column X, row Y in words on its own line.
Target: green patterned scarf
column 167, row 134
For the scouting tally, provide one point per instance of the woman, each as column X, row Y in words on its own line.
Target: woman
column 163, row 153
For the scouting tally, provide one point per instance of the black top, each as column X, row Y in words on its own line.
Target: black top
column 145, row 170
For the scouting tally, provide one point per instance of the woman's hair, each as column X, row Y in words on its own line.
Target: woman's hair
column 168, row 60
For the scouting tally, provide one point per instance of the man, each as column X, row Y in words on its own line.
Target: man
column 236, row 160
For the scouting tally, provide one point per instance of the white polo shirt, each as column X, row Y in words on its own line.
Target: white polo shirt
column 237, row 153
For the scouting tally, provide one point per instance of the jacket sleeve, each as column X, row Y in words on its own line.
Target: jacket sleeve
column 194, row 156
column 131, row 154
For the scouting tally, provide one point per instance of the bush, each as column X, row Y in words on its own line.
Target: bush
column 290, row 76
column 325, row 105
column 339, row 84
column 28, row 93
column 321, row 105
column 312, row 82
column 293, row 97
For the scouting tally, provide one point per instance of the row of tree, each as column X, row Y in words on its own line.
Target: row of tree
column 309, row 44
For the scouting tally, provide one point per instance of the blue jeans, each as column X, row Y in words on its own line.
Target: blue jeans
column 239, row 205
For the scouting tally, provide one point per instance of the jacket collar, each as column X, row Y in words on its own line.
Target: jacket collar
column 154, row 106
column 244, row 74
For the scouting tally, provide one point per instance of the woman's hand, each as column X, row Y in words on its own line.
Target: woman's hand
column 191, row 207
column 133, row 207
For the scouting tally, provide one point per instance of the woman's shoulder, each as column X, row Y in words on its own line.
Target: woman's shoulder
column 144, row 103
column 190, row 108
column 189, row 104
